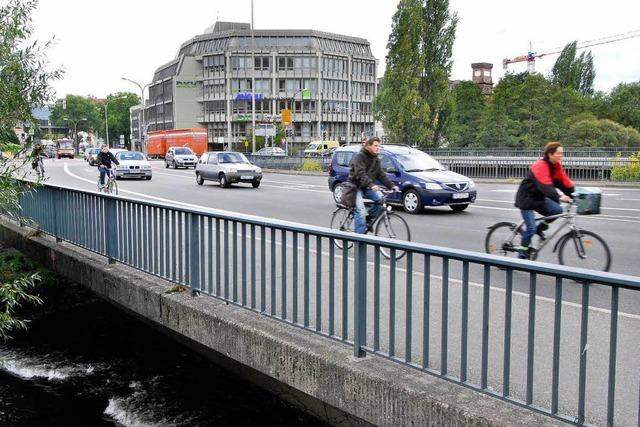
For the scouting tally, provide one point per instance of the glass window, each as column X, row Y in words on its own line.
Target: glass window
column 213, row 159
column 417, row 161
column 343, row 158
column 232, row 158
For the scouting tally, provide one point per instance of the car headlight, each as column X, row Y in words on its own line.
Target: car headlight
column 121, row 167
column 258, row 170
column 432, row 186
column 233, row 170
column 147, row 167
column 471, row 184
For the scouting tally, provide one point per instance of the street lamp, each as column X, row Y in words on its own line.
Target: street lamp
column 106, row 122
column 75, row 130
column 143, row 146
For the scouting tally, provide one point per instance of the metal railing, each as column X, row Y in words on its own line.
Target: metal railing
column 579, row 169
column 516, row 330
column 590, row 152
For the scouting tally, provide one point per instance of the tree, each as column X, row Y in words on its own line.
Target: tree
column 118, row 114
column 413, row 100
column 466, row 116
column 79, row 113
column 577, row 73
column 587, row 131
column 624, row 103
column 24, row 84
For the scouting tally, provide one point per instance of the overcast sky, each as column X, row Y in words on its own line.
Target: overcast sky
column 97, row 42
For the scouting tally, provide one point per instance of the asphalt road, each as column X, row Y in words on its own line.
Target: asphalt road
column 306, row 199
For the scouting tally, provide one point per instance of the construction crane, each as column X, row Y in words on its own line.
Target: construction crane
column 531, row 56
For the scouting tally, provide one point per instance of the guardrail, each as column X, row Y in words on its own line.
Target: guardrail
column 590, row 152
column 522, row 331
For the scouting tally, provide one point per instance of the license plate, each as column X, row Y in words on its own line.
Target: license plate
column 460, row 195
column 246, row 177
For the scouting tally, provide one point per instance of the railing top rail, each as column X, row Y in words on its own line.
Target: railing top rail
column 577, row 274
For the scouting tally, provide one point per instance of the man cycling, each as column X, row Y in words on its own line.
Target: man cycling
column 104, row 159
column 365, row 171
column 36, row 156
column 537, row 192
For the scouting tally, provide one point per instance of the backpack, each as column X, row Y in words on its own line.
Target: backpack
column 349, row 191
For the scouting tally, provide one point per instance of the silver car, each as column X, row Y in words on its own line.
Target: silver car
column 180, row 157
column 227, row 167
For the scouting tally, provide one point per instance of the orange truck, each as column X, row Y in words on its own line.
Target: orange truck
column 158, row 142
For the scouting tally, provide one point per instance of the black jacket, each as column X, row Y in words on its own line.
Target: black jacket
column 541, row 181
column 105, row 159
column 366, row 169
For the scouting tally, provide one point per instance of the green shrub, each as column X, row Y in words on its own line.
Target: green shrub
column 629, row 172
column 311, row 166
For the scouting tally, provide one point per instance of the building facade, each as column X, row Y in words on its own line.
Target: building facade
column 327, row 81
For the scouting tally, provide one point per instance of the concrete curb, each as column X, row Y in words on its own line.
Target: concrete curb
column 371, row 389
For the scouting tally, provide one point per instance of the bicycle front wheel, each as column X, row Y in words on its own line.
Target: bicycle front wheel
column 112, row 187
column 393, row 227
column 342, row 220
column 584, row 249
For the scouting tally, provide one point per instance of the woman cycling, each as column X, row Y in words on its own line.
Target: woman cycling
column 537, row 192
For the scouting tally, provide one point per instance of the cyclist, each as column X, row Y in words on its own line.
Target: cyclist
column 104, row 159
column 365, row 171
column 537, row 192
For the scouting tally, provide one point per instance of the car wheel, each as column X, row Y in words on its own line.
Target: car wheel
column 224, row 183
column 459, row 208
column 255, row 184
column 337, row 193
column 411, row 202
column 166, row 164
column 199, row 179
column 174, row 165
column 148, row 178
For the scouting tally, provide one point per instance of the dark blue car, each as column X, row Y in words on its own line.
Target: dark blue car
column 422, row 180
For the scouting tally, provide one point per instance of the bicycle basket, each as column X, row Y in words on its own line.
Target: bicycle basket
column 587, row 200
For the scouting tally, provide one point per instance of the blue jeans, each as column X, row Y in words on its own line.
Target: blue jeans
column 361, row 210
column 550, row 208
column 103, row 172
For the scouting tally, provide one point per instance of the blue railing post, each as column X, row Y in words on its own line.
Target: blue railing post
column 359, row 295
column 110, row 229
column 194, row 273
column 54, row 191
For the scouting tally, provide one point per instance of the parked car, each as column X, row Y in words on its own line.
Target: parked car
column 90, row 155
column 133, row 164
column 320, row 148
column 182, row 157
column 270, row 151
column 421, row 179
column 227, row 167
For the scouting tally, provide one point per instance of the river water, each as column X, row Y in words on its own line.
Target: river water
column 93, row 365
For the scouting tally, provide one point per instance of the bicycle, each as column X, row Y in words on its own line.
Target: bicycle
column 386, row 224
column 39, row 168
column 576, row 248
column 110, row 186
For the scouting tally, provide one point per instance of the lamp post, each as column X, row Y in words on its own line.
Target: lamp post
column 106, row 122
column 75, row 130
column 143, row 146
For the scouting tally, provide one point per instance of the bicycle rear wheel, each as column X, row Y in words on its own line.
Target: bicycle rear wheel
column 40, row 170
column 112, row 187
column 393, row 227
column 342, row 220
column 584, row 249
column 503, row 239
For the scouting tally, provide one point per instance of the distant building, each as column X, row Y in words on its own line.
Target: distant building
column 328, row 81
column 43, row 116
column 482, row 77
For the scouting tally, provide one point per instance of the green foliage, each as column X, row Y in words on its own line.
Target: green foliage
column 414, row 103
column 624, row 104
column 24, row 78
column 85, row 112
column 576, row 73
column 118, row 115
column 16, row 280
column 467, row 111
column 629, row 172
column 588, row 131
column 311, row 166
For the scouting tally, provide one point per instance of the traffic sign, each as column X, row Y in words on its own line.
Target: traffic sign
column 286, row 117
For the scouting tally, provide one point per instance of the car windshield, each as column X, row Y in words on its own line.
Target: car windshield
column 66, row 145
column 418, row 162
column 130, row 156
column 233, row 158
column 183, row 151
column 313, row 146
